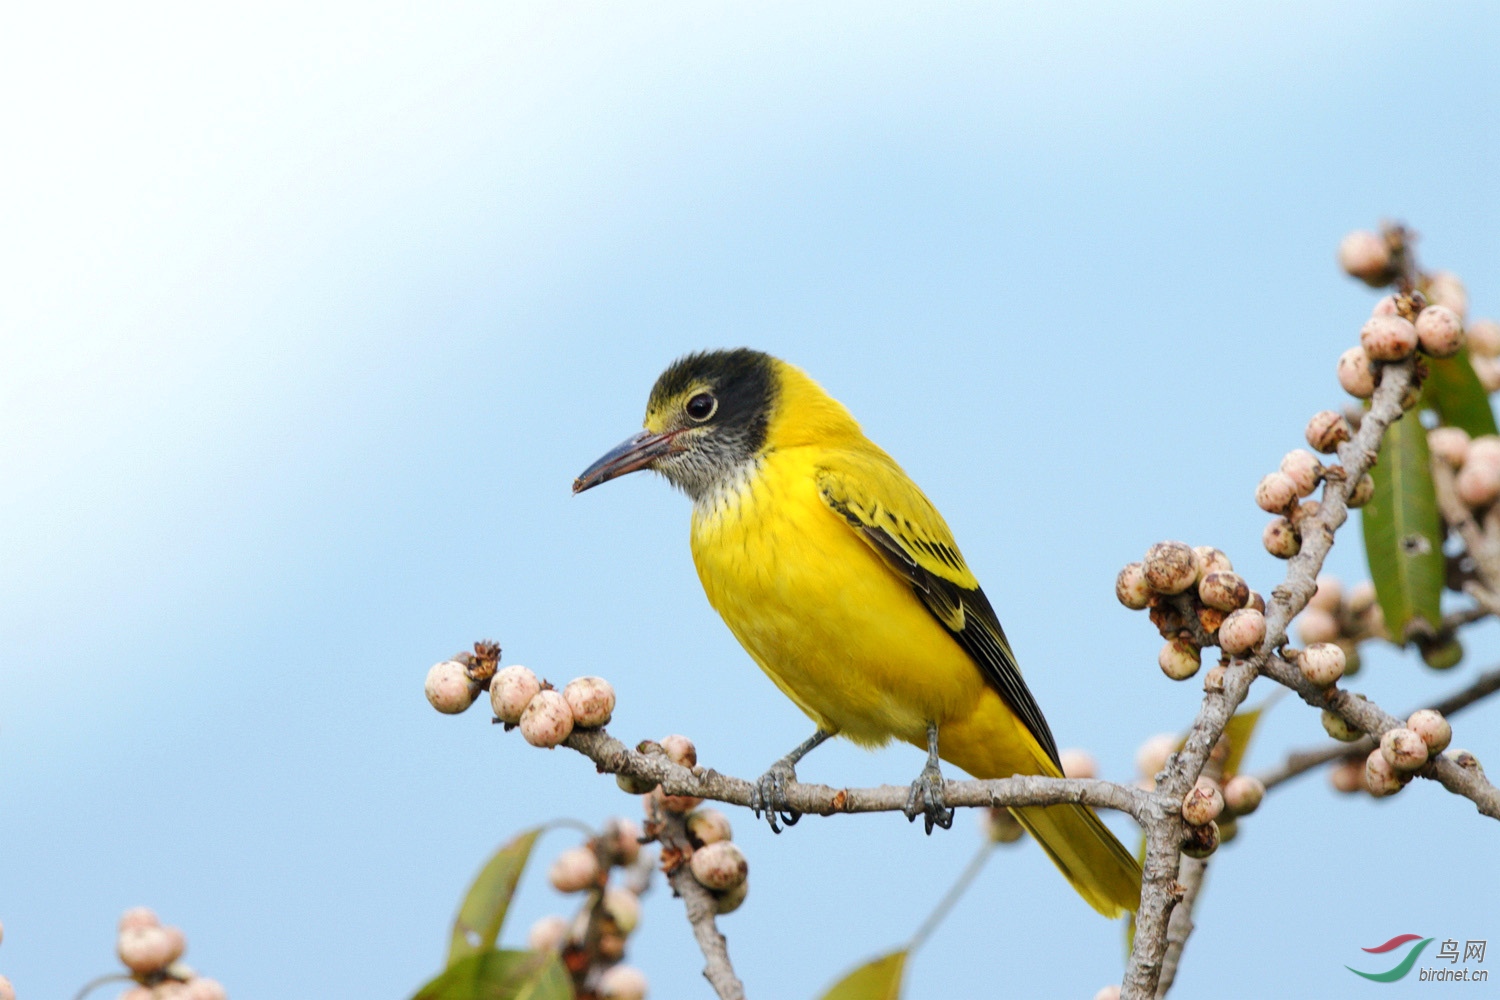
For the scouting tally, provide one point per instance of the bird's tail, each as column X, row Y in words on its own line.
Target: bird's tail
column 993, row 743
column 1105, row 874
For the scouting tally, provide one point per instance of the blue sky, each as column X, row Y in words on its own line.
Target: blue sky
column 309, row 316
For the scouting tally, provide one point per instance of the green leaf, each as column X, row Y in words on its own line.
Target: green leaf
column 1239, row 730
column 501, row 975
column 1403, row 532
column 480, row 916
column 1453, row 390
column 877, row 979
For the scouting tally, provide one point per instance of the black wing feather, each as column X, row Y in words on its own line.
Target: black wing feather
column 978, row 629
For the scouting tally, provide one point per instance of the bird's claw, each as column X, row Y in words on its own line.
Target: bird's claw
column 770, row 796
column 926, row 800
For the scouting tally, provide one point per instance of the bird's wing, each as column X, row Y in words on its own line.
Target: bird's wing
column 895, row 519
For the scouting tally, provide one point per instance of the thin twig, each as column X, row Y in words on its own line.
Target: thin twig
column 952, row 896
column 1301, row 761
column 105, row 980
column 671, row 831
column 1479, row 546
column 1180, row 925
column 1370, row 718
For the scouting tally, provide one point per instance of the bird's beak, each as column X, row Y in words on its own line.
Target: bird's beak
column 629, row 455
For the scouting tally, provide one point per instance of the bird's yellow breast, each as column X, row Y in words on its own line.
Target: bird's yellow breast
column 817, row 608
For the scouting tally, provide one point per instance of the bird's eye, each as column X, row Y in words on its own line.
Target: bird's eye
column 702, row 406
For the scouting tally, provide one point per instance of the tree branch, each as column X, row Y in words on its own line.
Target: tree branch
column 1162, row 819
column 1372, row 719
column 613, row 757
column 1180, row 925
column 671, row 831
column 1301, row 761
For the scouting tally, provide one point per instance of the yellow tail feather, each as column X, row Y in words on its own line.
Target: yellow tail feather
column 1089, row 856
column 993, row 743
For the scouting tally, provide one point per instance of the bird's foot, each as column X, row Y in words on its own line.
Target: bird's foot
column 926, row 800
column 770, row 796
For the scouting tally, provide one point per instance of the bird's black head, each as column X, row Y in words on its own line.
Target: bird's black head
column 706, row 420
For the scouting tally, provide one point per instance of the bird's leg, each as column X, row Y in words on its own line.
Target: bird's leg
column 927, row 791
column 770, row 790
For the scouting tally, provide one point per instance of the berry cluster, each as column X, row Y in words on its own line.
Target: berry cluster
column 592, row 944
column 1402, row 752
column 151, row 952
column 518, row 697
column 1210, row 807
column 1196, row 599
column 713, row 858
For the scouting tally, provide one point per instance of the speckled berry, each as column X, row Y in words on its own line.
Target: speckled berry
column 1388, row 338
column 1339, row 728
column 592, row 701
column 1211, row 560
column 1328, row 594
column 1131, row 588
column 708, row 826
column 623, row 907
column 449, row 689
column 1152, row 755
column 511, row 690
column 147, row 950
column 732, row 899
column 719, row 866
column 1440, row 331
column 1363, row 491
column 202, row 988
column 1434, row 730
column 1326, row 431
column 1321, row 663
column 1356, row 374
column 1276, row 492
column 1224, row 591
column 1179, row 659
column 1348, row 776
column 1477, row 483
column 1404, row 749
column 1380, row 778
column 1243, row 794
column 1203, row 803
column 1201, row 841
column 1280, row 538
column 547, row 720
column 1304, row 469
column 1170, row 567
column 1242, row 631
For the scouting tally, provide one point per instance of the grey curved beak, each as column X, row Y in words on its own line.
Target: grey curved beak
column 630, row 455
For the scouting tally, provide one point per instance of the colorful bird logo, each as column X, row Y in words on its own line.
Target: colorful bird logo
column 1402, row 967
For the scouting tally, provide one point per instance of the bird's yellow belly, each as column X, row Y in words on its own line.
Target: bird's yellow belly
column 838, row 632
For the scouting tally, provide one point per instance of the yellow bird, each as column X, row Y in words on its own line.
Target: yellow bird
column 841, row 579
